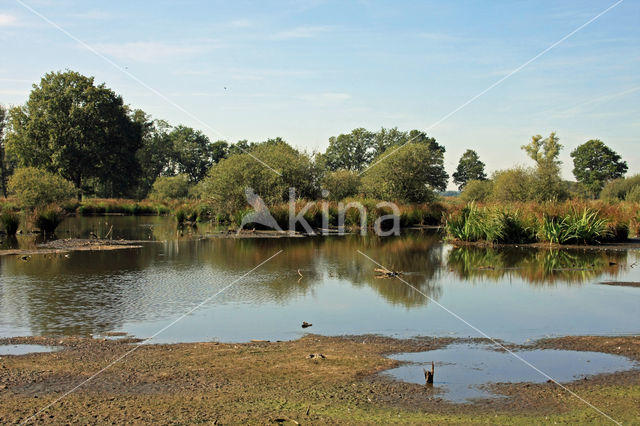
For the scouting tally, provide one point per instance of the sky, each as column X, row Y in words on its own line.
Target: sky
column 306, row 70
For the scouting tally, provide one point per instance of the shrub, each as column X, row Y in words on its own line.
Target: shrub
column 633, row 195
column 512, row 185
column 410, row 175
column 620, row 189
column 10, row 222
column 477, row 190
column 48, row 218
column 341, row 184
column 36, row 188
column 170, row 188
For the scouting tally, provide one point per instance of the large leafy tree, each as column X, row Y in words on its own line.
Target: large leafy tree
column 411, row 174
column 469, row 168
column 352, row 151
column 594, row 164
column 192, row 153
column 546, row 184
column 78, row 130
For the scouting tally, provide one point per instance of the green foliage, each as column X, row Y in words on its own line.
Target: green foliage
column 10, row 221
column 469, row 168
column 585, row 228
column 227, row 181
column 512, row 185
column 545, row 183
column 477, row 190
column 619, row 189
column 125, row 207
column 6, row 163
column 341, row 184
column 352, row 151
column 184, row 215
column 35, row 187
column 48, row 218
column 633, row 195
column 411, row 174
column 595, row 164
column 78, row 130
column 357, row 150
column 170, row 188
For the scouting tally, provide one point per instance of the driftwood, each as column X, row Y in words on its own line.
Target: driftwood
column 428, row 375
column 385, row 273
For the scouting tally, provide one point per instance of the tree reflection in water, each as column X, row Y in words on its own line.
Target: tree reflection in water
column 535, row 266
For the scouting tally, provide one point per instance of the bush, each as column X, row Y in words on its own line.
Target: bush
column 512, row 185
column 410, row 175
column 170, row 188
column 633, row 195
column 10, row 222
column 227, row 180
column 36, row 188
column 477, row 190
column 47, row 219
column 341, row 184
column 620, row 189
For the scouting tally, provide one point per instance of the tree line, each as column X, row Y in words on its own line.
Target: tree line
column 82, row 133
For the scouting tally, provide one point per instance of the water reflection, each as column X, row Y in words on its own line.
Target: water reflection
column 137, row 289
column 536, row 266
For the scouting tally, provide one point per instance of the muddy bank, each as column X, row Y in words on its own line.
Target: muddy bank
column 75, row 244
column 621, row 283
column 267, row 382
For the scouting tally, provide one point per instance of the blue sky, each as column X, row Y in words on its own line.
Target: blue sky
column 306, row 70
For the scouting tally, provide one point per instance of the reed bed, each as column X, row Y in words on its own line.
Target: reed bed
column 574, row 222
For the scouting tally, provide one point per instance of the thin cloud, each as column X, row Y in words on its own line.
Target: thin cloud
column 7, row 20
column 153, row 51
column 327, row 96
column 302, row 32
column 240, row 23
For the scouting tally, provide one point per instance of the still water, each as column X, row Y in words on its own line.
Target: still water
column 469, row 368
column 513, row 294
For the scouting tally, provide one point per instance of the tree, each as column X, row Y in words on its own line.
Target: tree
column 37, row 188
column 469, row 168
column 341, row 184
column 411, row 174
column 170, row 188
column 156, row 151
column 80, row 131
column 192, row 153
column 352, row 151
column 594, row 164
column 3, row 161
column 546, row 185
column 226, row 182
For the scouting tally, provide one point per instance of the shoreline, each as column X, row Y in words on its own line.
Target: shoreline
column 263, row 382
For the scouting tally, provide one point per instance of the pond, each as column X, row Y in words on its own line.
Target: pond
column 462, row 371
column 516, row 294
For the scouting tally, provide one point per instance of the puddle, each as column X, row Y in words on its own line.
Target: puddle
column 463, row 370
column 25, row 349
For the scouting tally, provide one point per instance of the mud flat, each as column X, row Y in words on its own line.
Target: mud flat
column 274, row 382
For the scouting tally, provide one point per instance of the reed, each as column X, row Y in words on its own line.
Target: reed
column 10, row 222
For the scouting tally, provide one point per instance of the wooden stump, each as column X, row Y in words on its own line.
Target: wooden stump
column 428, row 375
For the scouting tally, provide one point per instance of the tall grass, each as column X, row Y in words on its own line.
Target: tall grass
column 552, row 223
column 10, row 221
column 48, row 219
